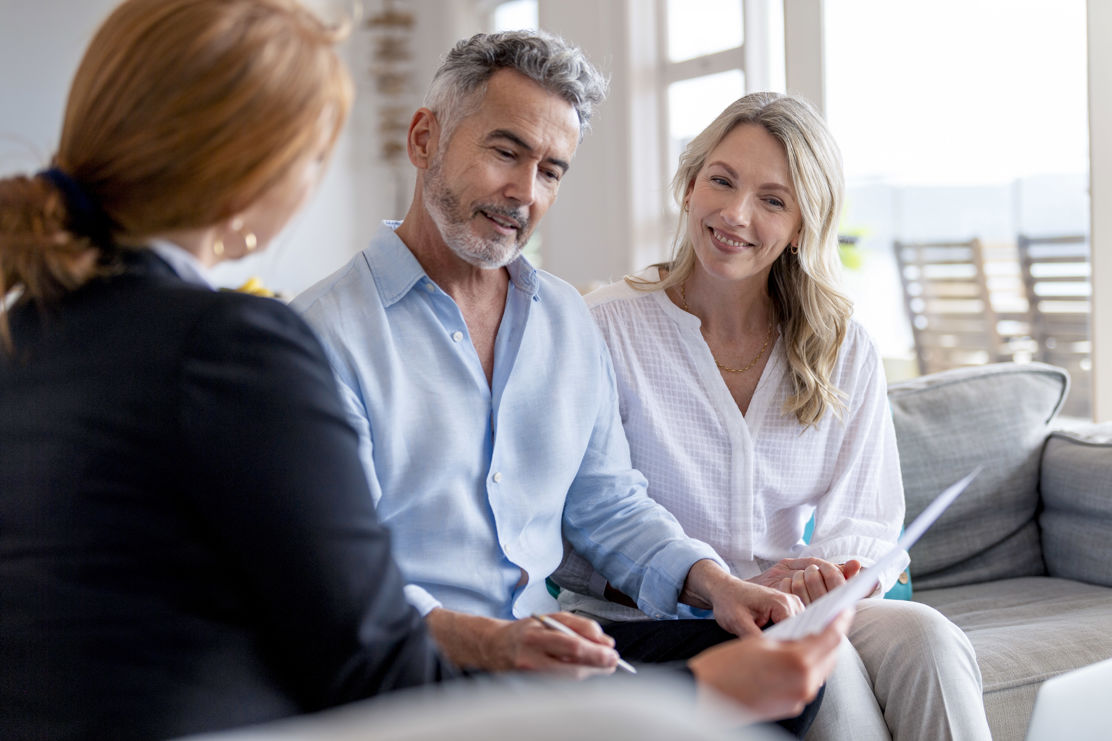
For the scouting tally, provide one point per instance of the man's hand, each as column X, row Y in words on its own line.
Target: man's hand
column 523, row 645
column 740, row 607
column 773, row 679
column 807, row 578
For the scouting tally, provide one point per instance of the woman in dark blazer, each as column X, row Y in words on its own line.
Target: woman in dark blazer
column 187, row 541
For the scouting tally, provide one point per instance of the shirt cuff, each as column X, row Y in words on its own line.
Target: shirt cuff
column 420, row 599
column 666, row 574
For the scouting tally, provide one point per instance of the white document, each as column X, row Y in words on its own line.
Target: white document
column 827, row 607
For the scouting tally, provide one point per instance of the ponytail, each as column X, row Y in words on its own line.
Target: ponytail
column 50, row 232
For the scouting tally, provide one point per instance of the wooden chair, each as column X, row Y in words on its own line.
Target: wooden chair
column 1056, row 278
column 957, row 319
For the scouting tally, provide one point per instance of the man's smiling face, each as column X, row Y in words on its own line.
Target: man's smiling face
column 488, row 186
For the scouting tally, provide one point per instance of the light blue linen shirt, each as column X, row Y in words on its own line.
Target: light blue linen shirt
column 478, row 482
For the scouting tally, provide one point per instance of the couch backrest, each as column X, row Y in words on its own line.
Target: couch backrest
column 948, row 423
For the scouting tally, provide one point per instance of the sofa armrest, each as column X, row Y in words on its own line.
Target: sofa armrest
column 1075, row 485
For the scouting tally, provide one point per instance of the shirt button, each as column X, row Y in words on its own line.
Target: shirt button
column 429, row 287
column 457, row 336
column 497, row 477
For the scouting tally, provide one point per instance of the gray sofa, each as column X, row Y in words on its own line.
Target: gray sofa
column 1022, row 561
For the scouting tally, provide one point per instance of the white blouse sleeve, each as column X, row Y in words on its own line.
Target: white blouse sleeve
column 861, row 514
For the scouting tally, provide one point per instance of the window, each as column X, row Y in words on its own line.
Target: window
column 702, row 68
column 969, row 137
column 698, row 29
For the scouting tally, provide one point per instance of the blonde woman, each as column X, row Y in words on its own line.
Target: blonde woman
column 752, row 400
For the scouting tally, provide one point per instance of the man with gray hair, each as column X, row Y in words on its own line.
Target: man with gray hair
column 484, row 396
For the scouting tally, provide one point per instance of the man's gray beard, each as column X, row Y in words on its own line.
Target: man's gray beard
column 444, row 208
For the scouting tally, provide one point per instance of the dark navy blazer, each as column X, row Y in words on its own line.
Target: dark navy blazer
column 187, row 541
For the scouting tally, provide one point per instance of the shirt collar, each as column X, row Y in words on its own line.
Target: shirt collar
column 396, row 271
column 524, row 276
column 184, row 263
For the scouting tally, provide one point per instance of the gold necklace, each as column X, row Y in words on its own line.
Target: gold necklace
column 768, row 337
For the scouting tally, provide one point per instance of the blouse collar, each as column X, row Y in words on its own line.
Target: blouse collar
column 182, row 262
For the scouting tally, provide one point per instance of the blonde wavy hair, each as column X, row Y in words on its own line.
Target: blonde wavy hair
column 181, row 114
column 812, row 311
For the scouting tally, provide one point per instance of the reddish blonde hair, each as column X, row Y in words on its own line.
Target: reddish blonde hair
column 181, row 114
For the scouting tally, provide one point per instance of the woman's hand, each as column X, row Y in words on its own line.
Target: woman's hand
column 773, row 679
column 807, row 578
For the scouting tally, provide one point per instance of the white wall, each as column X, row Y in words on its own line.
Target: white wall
column 40, row 47
column 586, row 233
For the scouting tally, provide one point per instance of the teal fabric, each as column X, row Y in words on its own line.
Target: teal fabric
column 900, row 590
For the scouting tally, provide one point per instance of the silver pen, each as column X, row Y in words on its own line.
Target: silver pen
column 556, row 625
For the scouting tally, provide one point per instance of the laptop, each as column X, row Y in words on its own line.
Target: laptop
column 1074, row 705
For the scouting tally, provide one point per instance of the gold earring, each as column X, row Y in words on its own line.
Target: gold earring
column 687, row 207
column 795, row 249
column 218, row 247
column 249, row 239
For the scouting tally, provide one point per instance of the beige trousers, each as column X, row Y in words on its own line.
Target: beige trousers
column 906, row 673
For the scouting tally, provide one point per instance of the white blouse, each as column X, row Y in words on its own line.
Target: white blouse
column 748, row 484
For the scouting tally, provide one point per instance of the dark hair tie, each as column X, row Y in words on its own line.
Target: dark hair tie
column 86, row 217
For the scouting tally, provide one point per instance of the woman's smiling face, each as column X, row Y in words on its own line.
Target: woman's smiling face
column 742, row 207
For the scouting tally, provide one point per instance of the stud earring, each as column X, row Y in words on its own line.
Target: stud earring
column 218, row 247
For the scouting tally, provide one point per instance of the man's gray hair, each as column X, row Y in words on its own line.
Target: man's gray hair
column 558, row 67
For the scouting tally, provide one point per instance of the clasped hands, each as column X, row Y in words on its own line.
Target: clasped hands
column 745, row 607
column 807, row 578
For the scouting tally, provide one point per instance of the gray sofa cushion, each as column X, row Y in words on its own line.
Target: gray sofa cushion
column 1024, row 632
column 949, row 423
column 1076, row 522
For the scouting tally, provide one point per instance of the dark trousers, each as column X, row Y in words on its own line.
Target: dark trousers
column 663, row 641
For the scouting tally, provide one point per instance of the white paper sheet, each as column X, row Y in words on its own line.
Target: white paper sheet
column 820, row 612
